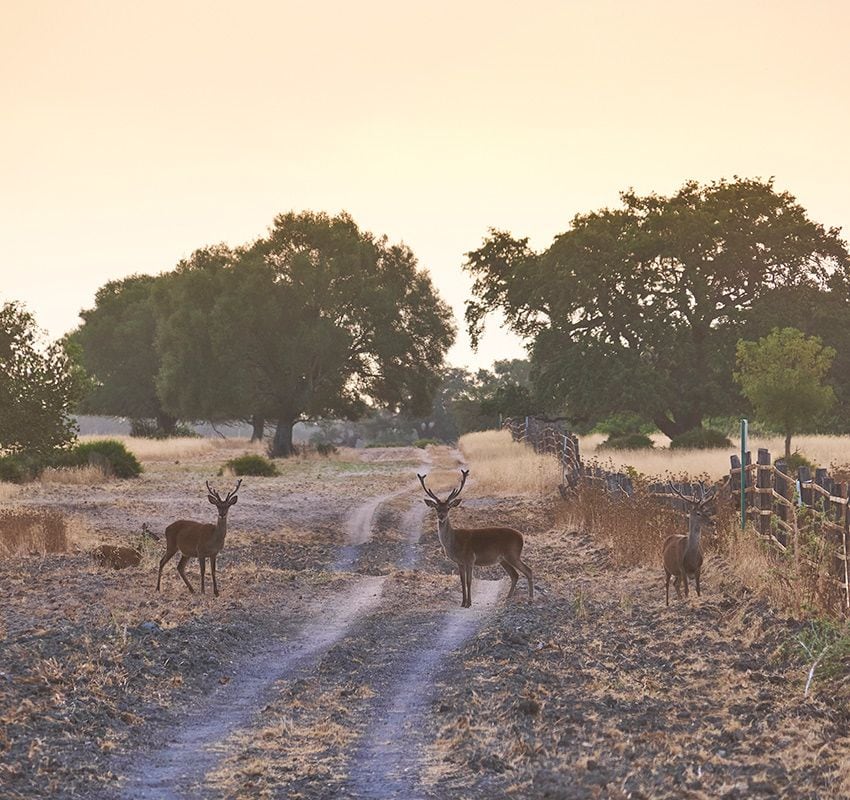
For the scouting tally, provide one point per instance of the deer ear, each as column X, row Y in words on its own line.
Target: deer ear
column 233, row 500
column 429, row 502
column 211, row 499
column 454, row 503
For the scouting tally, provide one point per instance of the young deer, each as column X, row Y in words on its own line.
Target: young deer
column 198, row 539
column 483, row 546
column 107, row 555
column 682, row 554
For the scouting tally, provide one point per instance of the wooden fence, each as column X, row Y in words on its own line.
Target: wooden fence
column 803, row 515
column 799, row 514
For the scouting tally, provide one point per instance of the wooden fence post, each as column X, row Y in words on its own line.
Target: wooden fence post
column 763, row 501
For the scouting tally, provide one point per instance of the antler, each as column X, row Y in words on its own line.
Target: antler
column 231, row 493
column 707, row 496
column 213, row 492
column 456, row 492
column 427, row 490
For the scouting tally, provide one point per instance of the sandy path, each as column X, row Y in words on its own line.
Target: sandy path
column 387, row 760
column 178, row 768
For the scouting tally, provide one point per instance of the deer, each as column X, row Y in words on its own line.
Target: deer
column 199, row 540
column 482, row 546
column 682, row 555
column 108, row 555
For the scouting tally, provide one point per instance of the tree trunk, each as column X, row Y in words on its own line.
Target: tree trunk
column 787, row 445
column 166, row 423
column 674, row 428
column 258, row 424
column 282, row 442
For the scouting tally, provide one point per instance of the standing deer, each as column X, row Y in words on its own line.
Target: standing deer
column 682, row 554
column 198, row 539
column 483, row 546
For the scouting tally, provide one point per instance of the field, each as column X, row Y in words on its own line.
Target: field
column 337, row 663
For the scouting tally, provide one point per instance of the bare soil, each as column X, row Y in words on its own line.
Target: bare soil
column 337, row 662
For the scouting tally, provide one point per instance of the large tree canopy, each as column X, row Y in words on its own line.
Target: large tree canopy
column 316, row 319
column 117, row 343
column 639, row 308
column 337, row 319
column 38, row 385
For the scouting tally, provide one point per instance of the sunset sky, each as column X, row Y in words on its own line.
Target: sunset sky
column 133, row 133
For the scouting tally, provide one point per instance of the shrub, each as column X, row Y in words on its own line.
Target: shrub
column 797, row 460
column 326, row 449
column 423, row 443
column 623, row 424
column 630, row 441
column 20, row 468
column 253, row 465
column 108, row 454
column 700, row 439
column 372, row 445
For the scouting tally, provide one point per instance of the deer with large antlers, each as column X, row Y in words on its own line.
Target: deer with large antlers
column 682, row 554
column 198, row 539
column 469, row 547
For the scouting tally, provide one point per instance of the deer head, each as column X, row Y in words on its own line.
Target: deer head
column 442, row 506
column 223, row 505
column 699, row 508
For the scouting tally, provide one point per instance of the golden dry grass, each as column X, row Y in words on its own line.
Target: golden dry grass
column 501, row 466
column 169, row 449
column 89, row 475
column 8, row 491
column 822, row 450
column 24, row 531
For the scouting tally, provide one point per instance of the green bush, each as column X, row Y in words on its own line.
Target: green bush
column 107, row 453
column 623, row 424
column 20, row 468
column 796, row 461
column 631, row 441
column 372, row 445
column 253, row 465
column 423, row 443
column 700, row 439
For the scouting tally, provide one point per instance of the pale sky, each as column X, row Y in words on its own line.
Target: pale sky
column 134, row 133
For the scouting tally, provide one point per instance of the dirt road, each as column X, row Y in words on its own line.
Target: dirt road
column 338, row 664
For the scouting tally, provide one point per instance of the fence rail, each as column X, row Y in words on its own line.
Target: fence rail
column 789, row 511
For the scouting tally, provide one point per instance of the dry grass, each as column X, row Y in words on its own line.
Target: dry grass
column 822, row 450
column 24, row 531
column 8, row 491
column 90, row 475
column 171, row 449
column 501, row 466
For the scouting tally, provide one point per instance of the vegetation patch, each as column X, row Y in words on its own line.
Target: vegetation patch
column 24, row 531
column 629, row 441
column 700, row 439
column 251, row 464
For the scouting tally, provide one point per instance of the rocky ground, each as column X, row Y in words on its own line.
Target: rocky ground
column 337, row 662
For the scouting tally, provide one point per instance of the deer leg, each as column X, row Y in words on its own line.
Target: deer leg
column 667, row 586
column 696, row 579
column 685, row 579
column 469, row 585
column 169, row 554
column 203, row 570
column 212, row 569
column 181, row 566
column 514, row 576
column 676, row 580
column 462, row 584
column 526, row 570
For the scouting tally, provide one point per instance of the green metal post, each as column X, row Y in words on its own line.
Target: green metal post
column 744, row 427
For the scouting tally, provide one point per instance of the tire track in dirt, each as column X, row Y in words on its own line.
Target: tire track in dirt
column 178, row 768
column 387, row 761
